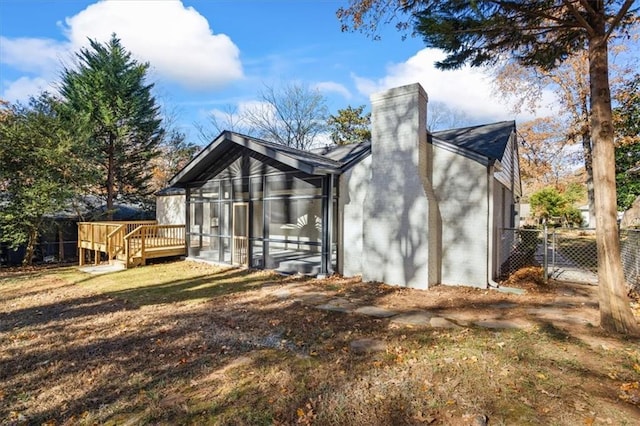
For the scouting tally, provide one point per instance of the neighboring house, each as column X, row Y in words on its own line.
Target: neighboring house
column 411, row 208
column 586, row 216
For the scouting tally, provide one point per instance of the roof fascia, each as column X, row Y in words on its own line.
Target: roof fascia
column 485, row 161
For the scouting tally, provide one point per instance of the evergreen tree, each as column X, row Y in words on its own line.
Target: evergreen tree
column 350, row 126
column 119, row 118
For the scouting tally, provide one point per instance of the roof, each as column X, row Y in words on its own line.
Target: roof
column 484, row 143
column 227, row 144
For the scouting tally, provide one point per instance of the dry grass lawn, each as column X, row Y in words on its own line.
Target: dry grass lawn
column 186, row 343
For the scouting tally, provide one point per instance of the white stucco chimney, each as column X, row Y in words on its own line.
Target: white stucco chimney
column 401, row 223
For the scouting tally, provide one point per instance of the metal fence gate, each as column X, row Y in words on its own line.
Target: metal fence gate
column 565, row 254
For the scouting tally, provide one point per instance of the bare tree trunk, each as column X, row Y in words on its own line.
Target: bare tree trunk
column 615, row 311
column 110, row 178
column 31, row 247
column 587, row 152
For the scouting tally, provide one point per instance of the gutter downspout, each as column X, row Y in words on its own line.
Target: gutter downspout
column 490, row 282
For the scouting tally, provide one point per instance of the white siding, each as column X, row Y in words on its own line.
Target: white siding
column 170, row 210
column 353, row 187
column 509, row 174
column 461, row 188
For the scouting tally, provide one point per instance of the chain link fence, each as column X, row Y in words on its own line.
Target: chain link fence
column 630, row 253
column 566, row 254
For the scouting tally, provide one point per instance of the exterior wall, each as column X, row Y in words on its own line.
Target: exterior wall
column 509, row 173
column 170, row 209
column 396, row 226
column 353, row 188
column 461, row 187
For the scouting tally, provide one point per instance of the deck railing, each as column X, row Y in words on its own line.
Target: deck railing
column 105, row 237
column 152, row 240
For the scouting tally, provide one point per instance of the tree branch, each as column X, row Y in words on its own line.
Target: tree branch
column 576, row 13
column 623, row 11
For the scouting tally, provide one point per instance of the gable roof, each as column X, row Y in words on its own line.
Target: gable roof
column 484, row 143
column 215, row 156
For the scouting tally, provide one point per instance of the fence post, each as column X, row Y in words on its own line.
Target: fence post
column 545, row 258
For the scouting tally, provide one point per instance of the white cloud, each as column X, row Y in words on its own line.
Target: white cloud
column 466, row 89
column 38, row 55
column 175, row 39
column 330, row 86
column 24, row 87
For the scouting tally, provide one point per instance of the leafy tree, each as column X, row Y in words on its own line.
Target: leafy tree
column 570, row 82
column 175, row 153
column 41, row 169
column 541, row 149
column 292, row 115
column 119, row 118
column 627, row 121
column 540, row 33
column 627, row 174
column 550, row 204
column 349, row 125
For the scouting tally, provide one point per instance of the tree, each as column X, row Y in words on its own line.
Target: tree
column 292, row 115
column 175, row 153
column 349, row 125
column 41, row 169
column 570, row 83
column 540, row 33
column 441, row 117
column 542, row 159
column 551, row 204
column 119, row 118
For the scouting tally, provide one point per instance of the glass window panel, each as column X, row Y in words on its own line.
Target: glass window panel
column 215, row 219
column 226, row 250
column 241, row 189
column 302, row 185
column 278, row 185
column 226, row 189
column 293, row 185
column 225, row 219
column 257, row 220
column 295, row 258
column 206, row 218
column 295, row 220
column 257, row 260
column 257, row 187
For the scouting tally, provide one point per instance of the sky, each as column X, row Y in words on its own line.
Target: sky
column 207, row 56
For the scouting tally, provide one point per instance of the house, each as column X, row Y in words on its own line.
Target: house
column 410, row 208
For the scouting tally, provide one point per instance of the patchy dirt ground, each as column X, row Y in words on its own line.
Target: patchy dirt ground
column 185, row 343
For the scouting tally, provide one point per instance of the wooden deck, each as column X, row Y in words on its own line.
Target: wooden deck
column 131, row 243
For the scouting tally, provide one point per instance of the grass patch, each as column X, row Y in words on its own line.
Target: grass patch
column 184, row 343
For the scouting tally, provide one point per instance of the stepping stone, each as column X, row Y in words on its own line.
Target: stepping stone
column 511, row 290
column 337, row 305
column 439, row 322
column 375, row 311
column 367, row 346
column 498, row 324
column 311, row 298
column 415, row 318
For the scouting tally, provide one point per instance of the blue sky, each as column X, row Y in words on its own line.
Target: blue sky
column 206, row 55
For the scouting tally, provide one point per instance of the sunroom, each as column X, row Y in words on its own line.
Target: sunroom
column 262, row 205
